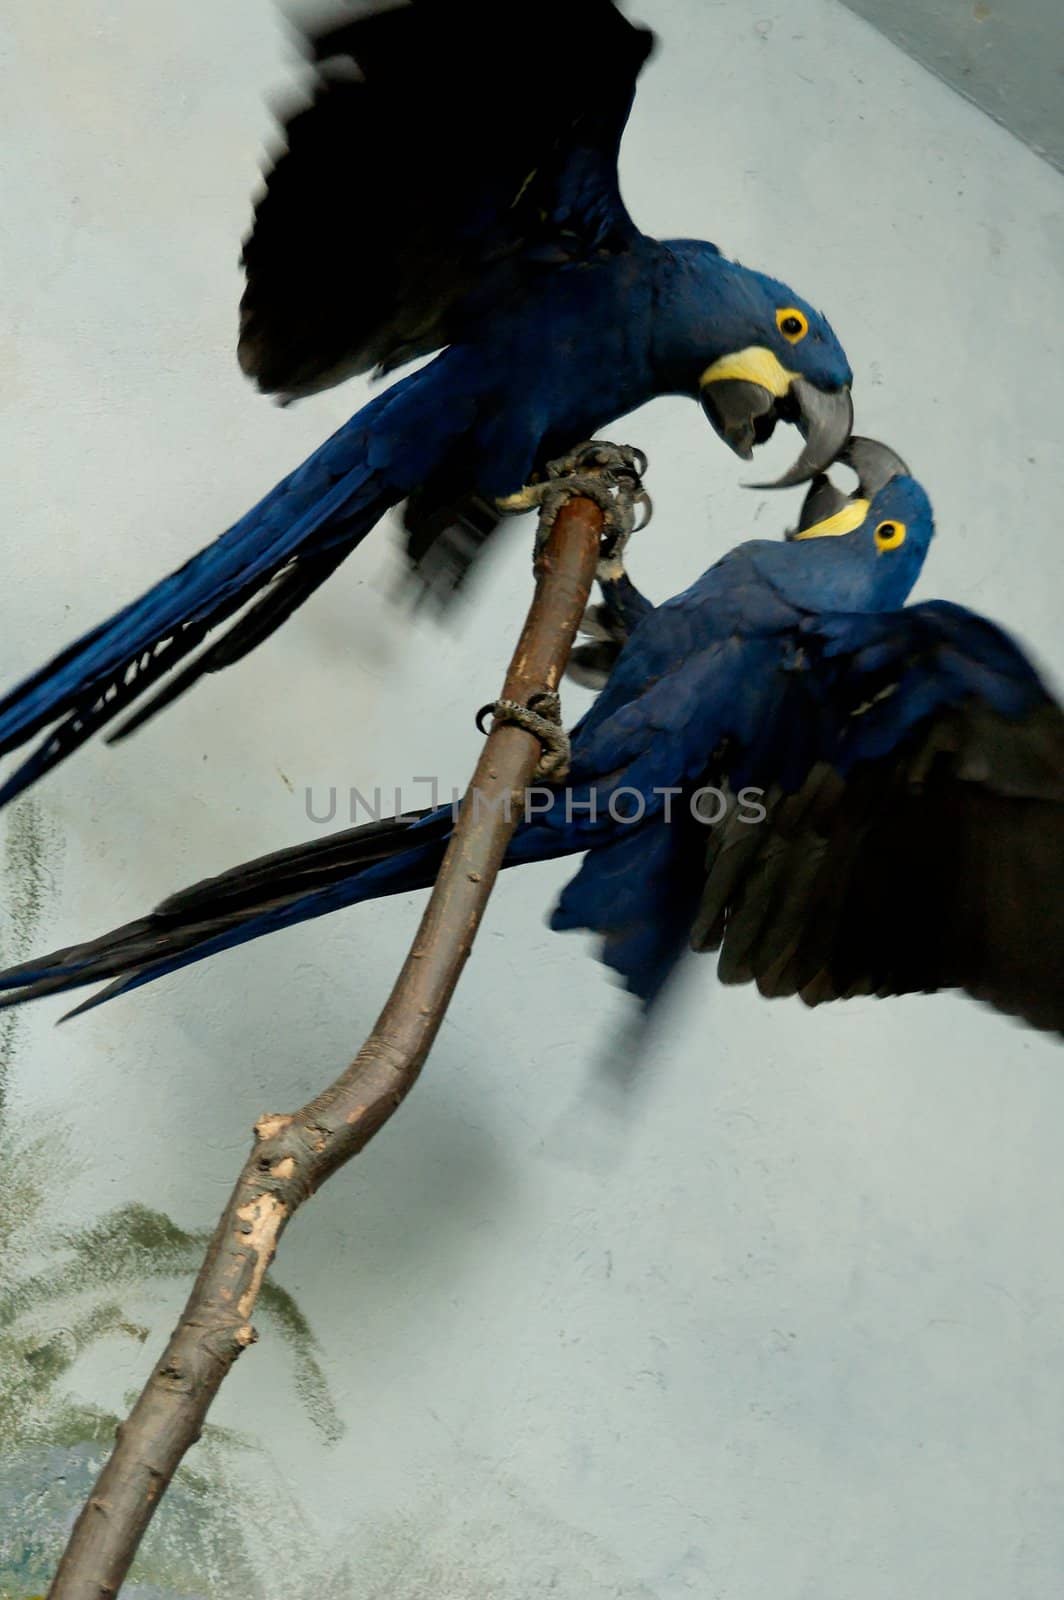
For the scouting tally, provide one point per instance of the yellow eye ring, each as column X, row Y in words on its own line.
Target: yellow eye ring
column 792, row 323
column 889, row 535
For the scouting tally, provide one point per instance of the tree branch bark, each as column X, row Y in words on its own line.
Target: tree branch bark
column 295, row 1153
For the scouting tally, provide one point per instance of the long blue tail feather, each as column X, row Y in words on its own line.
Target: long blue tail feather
column 258, row 898
column 288, row 544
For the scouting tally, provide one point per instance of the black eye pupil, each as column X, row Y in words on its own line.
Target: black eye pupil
column 887, row 530
column 792, row 325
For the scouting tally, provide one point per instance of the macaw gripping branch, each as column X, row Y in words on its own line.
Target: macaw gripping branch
column 295, row 1153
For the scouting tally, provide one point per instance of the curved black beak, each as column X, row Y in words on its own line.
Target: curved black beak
column 745, row 413
column 874, row 463
column 825, row 420
column 823, row 502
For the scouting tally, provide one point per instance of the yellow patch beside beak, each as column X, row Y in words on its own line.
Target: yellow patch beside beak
column 848, row 520
column 754, row 365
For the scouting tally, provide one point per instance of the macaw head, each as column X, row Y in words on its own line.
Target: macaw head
column 764, row 356
column 875, row 537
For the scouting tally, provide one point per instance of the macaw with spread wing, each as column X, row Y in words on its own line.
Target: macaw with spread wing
column 896, row 774
column 452, row 187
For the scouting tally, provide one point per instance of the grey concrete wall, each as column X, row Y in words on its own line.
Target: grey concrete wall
column 1005, row 55
column 774, row 1314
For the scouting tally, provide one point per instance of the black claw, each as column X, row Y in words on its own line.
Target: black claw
column 646, row 504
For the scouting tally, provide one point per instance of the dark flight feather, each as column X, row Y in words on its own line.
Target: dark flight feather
column 936, row 863
column 452, row 148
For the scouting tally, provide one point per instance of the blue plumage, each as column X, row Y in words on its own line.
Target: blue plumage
column 842, row 793
column 490, row 227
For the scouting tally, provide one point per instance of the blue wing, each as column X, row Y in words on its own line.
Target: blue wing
column 924, row 847
column 453, row 148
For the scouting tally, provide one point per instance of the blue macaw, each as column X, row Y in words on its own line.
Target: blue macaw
column 840, row 793
column 460, row 195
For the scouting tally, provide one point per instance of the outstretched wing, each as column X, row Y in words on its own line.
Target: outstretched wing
column 452, row 147
column 925, row 849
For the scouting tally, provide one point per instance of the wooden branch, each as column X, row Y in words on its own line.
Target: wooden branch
column 294, row 1154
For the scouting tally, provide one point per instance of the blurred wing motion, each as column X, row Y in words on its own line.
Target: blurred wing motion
column 453, row 183
column 919, row 844
column 475, row 145
column 925, row 851
column 452, row 148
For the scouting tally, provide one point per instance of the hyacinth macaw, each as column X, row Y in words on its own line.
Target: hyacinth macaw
column 896, row 776
column 459, row 195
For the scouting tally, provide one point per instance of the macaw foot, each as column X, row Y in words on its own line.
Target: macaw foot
column 543, row 718
column 611, row 475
